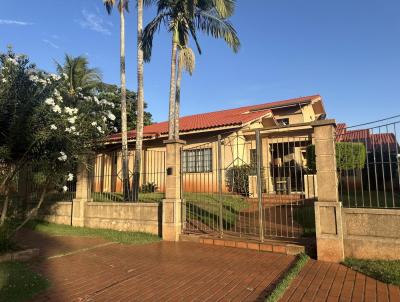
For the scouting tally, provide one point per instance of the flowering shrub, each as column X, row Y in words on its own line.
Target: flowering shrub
column 43, row 126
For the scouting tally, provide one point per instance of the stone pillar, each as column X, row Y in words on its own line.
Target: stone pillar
column 83, row 195
column 172, row 204
column 328, row 214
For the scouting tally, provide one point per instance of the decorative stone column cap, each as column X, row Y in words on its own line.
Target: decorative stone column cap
column 324, row 123
column 175, row 141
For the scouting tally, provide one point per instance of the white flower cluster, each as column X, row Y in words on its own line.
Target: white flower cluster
column 63, row 156
column 70, row 177
column 70, row 129
column 55, row 77
column 53, row 127
column 57, row 95
column 12, row 61
column 111, row 116
column 71, row 111
column 50, row 102
column 100, row 129
column 56, row 109
column 72, row 120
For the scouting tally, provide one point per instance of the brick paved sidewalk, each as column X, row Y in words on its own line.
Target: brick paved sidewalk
column 188, row 271
column 160, row 271
column 321, row 281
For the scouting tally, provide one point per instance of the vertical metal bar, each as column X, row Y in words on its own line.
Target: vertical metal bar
column 219, row 169
column 259, row 185
column 390, row 165
column 382, row 167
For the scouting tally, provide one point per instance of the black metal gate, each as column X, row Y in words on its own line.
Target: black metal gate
column 252, row 185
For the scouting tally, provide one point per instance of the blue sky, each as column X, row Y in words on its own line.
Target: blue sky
column 347, row 51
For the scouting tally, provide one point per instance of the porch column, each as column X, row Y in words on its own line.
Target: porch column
column 83, row 194
column 172, row 204
column 328, row 209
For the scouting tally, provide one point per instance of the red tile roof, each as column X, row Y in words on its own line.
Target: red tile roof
column 373, row 141
column 231, row 117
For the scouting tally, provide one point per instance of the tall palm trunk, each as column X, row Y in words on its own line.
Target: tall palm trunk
column 172, row 87
column 178, row 99
column 125, row 159
column 140, row 102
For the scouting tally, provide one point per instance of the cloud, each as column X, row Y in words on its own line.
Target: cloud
column 94, row 22
column 14, row 22
column 50, row 43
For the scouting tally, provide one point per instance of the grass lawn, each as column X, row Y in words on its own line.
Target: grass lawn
column 287, row 279
column 387, row 271
column 115, row 236
column 19, row 283
column 205, row 207
column 373, row 199
column 118, row 197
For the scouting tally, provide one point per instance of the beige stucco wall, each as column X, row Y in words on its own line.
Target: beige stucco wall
column 59, row 212
column 132, row 217
column 371, row 233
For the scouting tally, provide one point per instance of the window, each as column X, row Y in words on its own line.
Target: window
column 197, row 161
column 283, row 121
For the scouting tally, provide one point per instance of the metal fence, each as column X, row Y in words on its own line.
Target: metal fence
column 251, row 185
column 107, row 177
column 368, row 161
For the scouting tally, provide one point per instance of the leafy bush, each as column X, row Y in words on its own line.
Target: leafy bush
column 348, row 156
column 237, row 179
column 149, row 187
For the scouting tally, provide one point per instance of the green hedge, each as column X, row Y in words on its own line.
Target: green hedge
column 348, row 156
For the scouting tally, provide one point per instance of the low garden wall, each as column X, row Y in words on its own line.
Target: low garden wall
column 59, row 212
column 371, row 233
column 133, row 217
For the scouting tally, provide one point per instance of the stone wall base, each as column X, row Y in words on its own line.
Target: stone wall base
column 371, row 233
column 329, row 231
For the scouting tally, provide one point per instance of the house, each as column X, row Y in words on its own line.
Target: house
column 217, row 141
column 382, row 158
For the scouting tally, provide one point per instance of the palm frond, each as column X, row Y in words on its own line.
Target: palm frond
column 217, row 27
column 225, row 8
column 109, row 4
column 148, row 36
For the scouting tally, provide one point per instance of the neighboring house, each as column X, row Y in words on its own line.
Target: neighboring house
column 382, row 157
column 286, row 131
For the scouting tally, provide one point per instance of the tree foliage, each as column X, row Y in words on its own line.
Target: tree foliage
column 113, row 94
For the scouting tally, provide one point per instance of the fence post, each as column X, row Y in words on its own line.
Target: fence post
column 260, row 184
column 328, row 209
column 172, row 204
column 83, row 193
column 219, row 163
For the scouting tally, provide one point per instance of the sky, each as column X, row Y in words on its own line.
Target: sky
column 346, row 51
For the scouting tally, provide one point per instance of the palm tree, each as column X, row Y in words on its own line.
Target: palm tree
column 122, row 7
column 186, row 61
column 183, row 18
column 140, row 103
column 79, row 75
